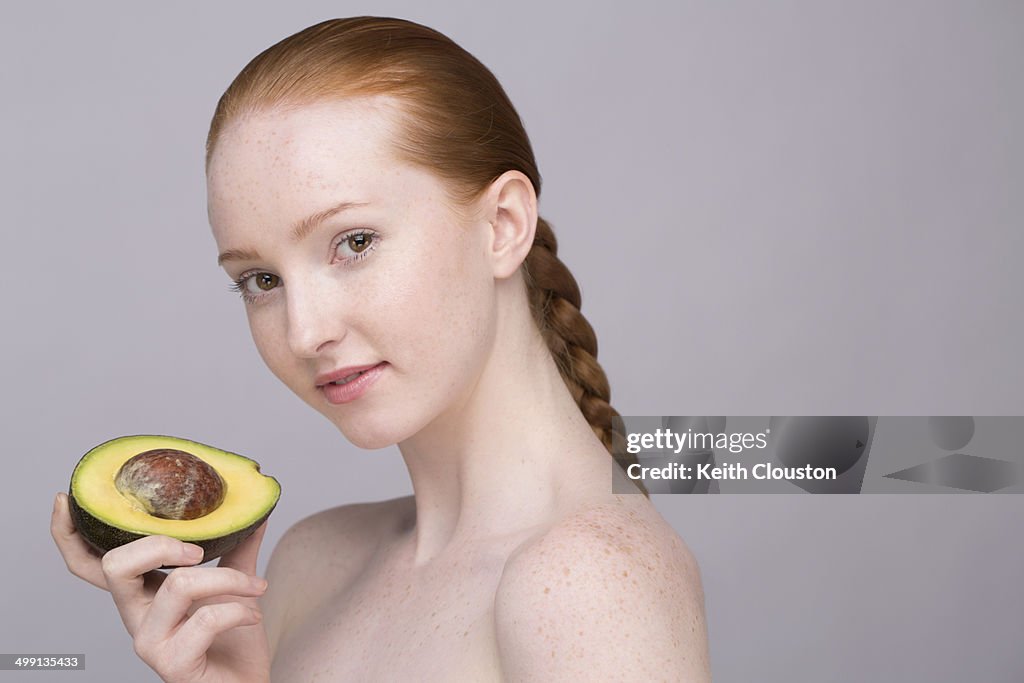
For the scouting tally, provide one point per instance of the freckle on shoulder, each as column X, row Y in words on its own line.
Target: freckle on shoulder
column 629, row 529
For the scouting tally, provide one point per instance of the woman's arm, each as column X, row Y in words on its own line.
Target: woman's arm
column 604, row 596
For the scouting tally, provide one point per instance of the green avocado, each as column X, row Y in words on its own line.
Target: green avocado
column 136, row 486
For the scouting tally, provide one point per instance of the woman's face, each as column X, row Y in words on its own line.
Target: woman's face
column 399, row 283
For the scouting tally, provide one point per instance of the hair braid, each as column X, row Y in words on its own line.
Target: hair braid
column 555, row 301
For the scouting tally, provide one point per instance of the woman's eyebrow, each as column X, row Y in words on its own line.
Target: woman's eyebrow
column 299, row 231
column 308, row 224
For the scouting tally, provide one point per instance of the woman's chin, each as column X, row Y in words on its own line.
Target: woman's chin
column 367, row 437
column 370, row 443
column 373, row 429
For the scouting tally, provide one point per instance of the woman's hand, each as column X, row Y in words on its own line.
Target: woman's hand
column 195, row 624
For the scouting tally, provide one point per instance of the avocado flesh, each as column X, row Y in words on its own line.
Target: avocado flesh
column 106, row 518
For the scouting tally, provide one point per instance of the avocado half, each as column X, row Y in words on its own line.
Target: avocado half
column 107, row 518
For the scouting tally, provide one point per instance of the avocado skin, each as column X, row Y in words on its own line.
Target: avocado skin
column 103, row 537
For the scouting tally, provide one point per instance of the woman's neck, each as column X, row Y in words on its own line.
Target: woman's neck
column 505, row 457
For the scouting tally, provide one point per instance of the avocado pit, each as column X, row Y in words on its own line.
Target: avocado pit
column 171, row 484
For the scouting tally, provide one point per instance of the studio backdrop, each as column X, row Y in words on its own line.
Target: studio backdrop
column 772, row 209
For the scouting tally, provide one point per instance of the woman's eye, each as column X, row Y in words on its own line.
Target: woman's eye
column 359, row 243
column 264, row 281
column 251, row 286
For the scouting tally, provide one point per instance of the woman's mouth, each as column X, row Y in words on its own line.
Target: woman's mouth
column 353, row 385
column 347, row 379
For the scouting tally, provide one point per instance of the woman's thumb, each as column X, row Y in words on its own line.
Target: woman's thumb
column 243, row 556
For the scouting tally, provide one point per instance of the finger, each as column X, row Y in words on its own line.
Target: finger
column 81, row 559
column 194, row 638
column 126, row 567
column 186, row 585
column 243, row 556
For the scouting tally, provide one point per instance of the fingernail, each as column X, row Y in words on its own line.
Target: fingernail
column 258, row 583
column 193, row 552
column 256, row 614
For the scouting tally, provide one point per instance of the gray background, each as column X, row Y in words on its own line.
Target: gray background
column 772, row 208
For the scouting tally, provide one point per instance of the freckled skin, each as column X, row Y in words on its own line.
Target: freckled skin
column 467, row 618
column 646, row 590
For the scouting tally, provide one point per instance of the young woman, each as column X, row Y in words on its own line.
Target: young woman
column 373, row 195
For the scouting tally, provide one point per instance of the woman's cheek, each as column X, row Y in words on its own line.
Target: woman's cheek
column 401, row 308
column 271, row 344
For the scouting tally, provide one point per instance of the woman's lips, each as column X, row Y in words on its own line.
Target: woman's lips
column 352, row 390
column 341, row 373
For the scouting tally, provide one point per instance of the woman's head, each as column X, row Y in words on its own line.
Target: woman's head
column 419, row 122
column 348, row 257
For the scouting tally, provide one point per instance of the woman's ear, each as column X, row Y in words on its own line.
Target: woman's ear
column 513, row 212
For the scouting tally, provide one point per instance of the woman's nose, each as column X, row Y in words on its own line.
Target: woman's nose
column 314, row 317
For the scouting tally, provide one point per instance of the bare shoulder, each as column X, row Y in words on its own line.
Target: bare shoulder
column 317, row 556
column 610, row 588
